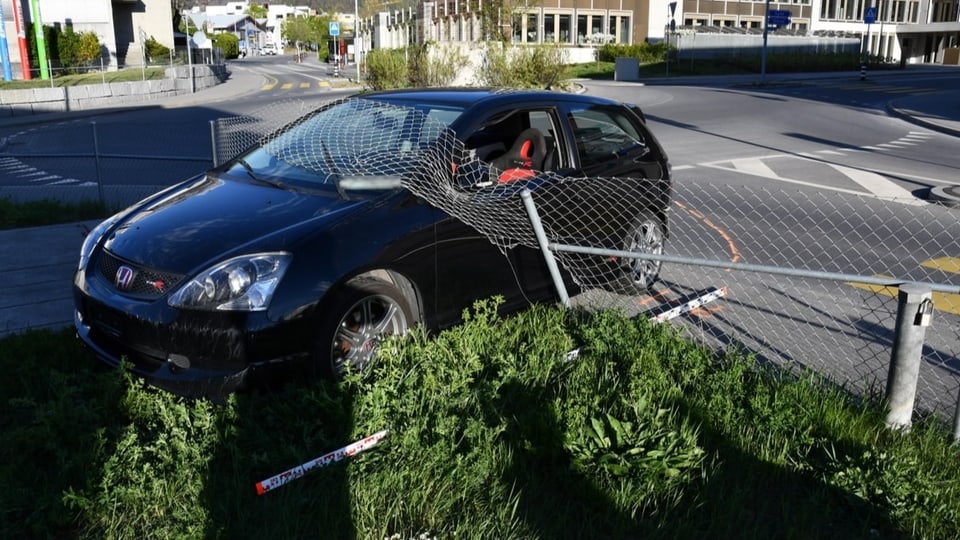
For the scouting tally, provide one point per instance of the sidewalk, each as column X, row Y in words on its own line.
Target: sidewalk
column 37, row 264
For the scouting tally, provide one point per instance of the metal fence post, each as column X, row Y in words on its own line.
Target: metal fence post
column 956, row 421
column 96, row 160
column 213, row 142
column 913, row 316
column 544, row 246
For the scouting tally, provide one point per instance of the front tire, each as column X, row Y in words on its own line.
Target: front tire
column 364, row 313
column 646, row 235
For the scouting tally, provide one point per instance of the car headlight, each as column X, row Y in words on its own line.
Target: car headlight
column 245, row 283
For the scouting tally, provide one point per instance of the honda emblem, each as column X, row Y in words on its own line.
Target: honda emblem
column 124, row 278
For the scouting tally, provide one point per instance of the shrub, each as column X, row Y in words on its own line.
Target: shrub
column 417, row 65
column 156, row 51
column 387, row 68
column 228, row 43
column 647, row 53
column 434, row 66
column 539, row 66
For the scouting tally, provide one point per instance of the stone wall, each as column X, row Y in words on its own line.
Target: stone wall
column 90, row 96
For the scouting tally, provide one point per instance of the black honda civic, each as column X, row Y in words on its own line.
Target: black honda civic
column 332, row 232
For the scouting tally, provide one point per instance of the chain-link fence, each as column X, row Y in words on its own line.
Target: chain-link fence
column 809, row 276
column 820, row 313
column 84, row 169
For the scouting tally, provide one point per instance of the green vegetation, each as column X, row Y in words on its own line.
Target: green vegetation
column 540, row 66
column 492, row 435
column 99, row 77
column 412, row 66
column 228, row 43
column 14, row 215
column 652, row 64
column 157, row 52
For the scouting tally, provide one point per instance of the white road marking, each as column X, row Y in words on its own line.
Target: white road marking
column 876, row 184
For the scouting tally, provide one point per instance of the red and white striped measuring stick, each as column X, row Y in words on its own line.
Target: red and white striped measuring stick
column 690, row 305
column 673, row 313
column 351, row 449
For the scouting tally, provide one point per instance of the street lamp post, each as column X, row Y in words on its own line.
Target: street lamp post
column 356, row 38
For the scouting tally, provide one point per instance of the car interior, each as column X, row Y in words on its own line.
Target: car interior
column 518, row 144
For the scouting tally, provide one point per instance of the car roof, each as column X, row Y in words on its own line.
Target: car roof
column 468, row 97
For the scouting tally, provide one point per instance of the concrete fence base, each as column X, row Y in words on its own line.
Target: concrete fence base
column 77, row 98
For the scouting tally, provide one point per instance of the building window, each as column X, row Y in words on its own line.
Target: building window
column 549, row 28
column 620, row 27
column 533, row 28
column 591, row 27
column 565, row 31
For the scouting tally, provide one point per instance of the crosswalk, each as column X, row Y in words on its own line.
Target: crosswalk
column 300, row 85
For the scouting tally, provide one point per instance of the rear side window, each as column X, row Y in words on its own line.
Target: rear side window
column 604, row 133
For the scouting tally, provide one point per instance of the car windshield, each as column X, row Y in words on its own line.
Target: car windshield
column 353, row 138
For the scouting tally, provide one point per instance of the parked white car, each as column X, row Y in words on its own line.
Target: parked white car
column 271, row 48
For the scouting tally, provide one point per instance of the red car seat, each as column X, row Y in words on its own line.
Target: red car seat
column 524, row 158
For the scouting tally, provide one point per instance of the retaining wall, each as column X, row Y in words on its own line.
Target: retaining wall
column 77, row 98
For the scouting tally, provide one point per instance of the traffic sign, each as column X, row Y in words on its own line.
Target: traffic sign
column 870, row 15
column 334, row 28
column 778, row 17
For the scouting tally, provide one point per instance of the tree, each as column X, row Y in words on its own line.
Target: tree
column 88, row 48
column 228, row 43
column 257, row 11
column 305, row 29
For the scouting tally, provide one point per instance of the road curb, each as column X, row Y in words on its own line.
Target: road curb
column 947, row 195
column 916, row 118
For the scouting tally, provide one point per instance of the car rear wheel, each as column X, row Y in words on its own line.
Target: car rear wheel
column 365, row 312
column 646, row 235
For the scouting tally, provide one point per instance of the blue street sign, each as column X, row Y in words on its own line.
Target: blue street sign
column 870, row 15
column 334, row 28
column 778, row 17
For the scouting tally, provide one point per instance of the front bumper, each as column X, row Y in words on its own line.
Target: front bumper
column 194, row 354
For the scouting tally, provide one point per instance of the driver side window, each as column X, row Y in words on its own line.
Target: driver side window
column 604, row 135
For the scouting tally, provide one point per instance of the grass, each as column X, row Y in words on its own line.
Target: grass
column 492, row 435
column 744, row 65
column 15, row 215
column 124, row 75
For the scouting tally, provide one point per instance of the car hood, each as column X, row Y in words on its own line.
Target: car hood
column 210, row 219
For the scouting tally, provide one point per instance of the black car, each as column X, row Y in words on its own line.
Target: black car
column 308, row 248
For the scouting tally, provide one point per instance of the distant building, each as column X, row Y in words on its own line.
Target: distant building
column 910, row 31
column 122, row 26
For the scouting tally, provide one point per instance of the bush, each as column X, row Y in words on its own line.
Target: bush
column 436, row 66
column 228, row 43
column 156, row 51
column 387, row 68
column 539, row 66
column 417, row 65
column 647, row 53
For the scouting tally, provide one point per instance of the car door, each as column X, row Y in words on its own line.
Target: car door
column 469, row 266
